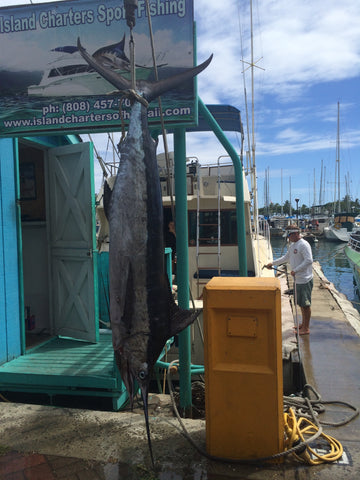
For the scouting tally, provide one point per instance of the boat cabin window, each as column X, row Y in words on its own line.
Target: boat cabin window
column 69, row 70
column 208, row 227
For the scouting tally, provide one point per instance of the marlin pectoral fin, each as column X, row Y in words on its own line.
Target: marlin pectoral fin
column 125, row 377
column 107, row 198
column 180, row 318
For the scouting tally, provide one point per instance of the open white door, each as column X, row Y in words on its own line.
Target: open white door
column 72, row 242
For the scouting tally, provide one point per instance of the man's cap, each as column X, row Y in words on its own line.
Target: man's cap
column 293, row 228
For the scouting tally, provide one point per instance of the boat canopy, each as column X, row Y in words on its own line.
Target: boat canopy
column 67, row 49
column 344, row 217
column 227, row 116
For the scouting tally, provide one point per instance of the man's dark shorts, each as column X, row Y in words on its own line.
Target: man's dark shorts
column 303, row 293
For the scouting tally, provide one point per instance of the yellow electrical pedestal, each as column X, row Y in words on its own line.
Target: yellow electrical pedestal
column 243, row 367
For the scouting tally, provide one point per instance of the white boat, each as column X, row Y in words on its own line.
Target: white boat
column 211, row 201
column 352, row 252
column 278, row 223
column 319, row 218
column 213, row 247
column 70, row 75
column 339, row 230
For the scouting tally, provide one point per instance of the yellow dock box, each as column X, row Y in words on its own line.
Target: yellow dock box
column 243, row 367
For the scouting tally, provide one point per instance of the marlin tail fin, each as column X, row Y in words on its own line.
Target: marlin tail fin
column 150, row 90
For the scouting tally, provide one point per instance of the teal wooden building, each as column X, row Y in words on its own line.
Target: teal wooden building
column 50, row 341
column 52, row 279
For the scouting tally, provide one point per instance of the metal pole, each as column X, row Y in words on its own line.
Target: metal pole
column 182, row 265
column 297, row 211
column 240, row 210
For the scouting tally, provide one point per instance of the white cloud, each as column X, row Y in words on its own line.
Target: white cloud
column 308, row 50
column 301, row 42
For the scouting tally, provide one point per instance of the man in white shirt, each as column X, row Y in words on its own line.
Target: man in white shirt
column 299, row 255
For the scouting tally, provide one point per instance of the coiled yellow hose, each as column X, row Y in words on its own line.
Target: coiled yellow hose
column 296, row 431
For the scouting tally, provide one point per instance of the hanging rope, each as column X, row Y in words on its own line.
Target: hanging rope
column 100, row 160
column 163, row 130
column 130, row 7
column 297, row 320
column 132, row 61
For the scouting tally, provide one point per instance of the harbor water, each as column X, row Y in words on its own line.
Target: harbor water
column 333, row 262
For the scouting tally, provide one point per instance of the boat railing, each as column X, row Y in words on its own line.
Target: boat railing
column 263, row 227
column 354, row 241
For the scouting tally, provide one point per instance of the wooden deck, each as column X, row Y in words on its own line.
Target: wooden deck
column 69, row 367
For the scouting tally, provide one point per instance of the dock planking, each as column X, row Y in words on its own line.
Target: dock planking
column 65, row 366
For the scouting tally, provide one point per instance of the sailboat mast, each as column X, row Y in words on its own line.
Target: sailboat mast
column 321, row 180
column 282, row 206
column 314, row 201
column 253, row 169
column 338, row 154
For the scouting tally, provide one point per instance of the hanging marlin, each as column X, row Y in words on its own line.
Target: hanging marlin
column 114, row 57
column 143, row 313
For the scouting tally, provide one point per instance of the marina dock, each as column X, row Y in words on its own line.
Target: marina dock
column 331, row 362
column 330, row 357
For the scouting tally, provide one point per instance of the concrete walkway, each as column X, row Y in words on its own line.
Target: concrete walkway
column 112, row 445
column 331, row 361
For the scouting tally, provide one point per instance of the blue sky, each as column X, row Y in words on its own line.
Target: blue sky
column 309, row 54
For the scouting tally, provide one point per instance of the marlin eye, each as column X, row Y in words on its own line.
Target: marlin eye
column 142, row 374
